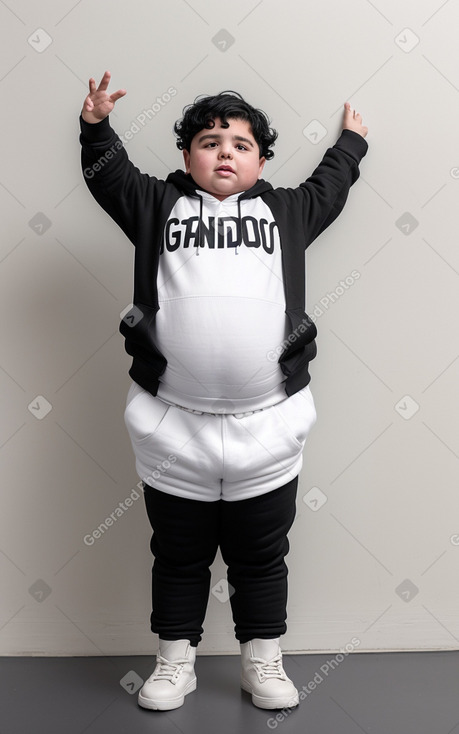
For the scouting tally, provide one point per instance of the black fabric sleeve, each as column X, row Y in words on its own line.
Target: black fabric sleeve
column 323, row 195
column 126, row 194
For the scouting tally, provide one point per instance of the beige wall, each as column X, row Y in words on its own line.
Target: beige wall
column 378, row 560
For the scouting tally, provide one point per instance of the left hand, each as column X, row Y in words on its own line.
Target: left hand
column 352, row 120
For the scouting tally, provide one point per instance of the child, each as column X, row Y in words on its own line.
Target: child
column 219, row 407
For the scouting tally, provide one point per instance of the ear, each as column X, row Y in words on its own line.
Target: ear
column 186, row 158
column 262, row 165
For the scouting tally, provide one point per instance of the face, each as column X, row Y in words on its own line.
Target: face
column 224, row 161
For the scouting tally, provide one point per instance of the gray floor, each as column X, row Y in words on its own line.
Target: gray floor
column 377, row 693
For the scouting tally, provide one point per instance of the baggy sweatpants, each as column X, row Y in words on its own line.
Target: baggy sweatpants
column 252, row 535
column 211, row 456
column 219, row 480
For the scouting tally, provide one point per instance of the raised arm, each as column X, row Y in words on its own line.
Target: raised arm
column 325, row 192
column 127, row 195
column 305, row 211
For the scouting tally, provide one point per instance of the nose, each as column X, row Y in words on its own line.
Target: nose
column 225, row 151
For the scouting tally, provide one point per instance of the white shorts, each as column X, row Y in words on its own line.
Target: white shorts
column 212, row 456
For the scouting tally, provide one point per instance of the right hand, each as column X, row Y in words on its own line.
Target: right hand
column 98, row 104
column 352, row 120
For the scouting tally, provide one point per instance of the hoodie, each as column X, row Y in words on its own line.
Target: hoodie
column 218, row 321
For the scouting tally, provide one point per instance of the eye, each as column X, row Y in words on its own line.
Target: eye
column 209, row 145
column 241, row 146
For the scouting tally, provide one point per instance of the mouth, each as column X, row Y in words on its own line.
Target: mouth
column 224, row 170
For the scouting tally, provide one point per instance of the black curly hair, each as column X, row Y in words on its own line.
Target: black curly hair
column 226, row 105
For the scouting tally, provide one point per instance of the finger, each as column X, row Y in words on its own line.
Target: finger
column 117, row 95
column 348, row 111
column 88, row 104
column 104, row 82
column 92, row 85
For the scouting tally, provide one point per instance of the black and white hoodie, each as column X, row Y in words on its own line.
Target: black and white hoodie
column 218, row 321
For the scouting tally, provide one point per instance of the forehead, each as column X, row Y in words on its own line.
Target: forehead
column 236, row 127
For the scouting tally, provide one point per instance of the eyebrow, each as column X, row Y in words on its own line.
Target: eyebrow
column 215, row 136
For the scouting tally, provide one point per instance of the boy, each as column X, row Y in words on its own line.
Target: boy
column 219, row 407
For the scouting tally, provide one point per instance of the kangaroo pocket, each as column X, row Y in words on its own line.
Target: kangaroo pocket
column 266, row 447
column 143, row 414
column 298, row 414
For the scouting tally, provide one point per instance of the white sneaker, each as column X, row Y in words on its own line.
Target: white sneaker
column 172, row 678
column 264, row 677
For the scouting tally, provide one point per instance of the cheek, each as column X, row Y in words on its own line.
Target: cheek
column 198, row 164
column 253, row 171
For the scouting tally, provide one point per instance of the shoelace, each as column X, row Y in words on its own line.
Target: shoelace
column 168, row 669
column 269, row 668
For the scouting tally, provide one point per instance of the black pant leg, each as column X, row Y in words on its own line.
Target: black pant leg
column 184, row 544
column 254, row 543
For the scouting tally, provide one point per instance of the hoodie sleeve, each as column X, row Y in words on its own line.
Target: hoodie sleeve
column 126, row 194
column 323, row 195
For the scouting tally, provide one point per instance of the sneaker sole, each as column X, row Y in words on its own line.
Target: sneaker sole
column 166, row 705
column 270, row 703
